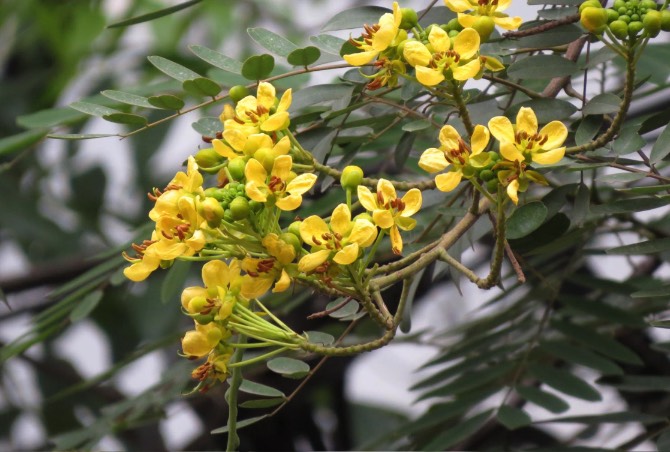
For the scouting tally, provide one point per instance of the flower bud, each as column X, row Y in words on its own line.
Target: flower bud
column 594, row 19
column 237, row 93
column 236, row 168
column 665, row 20
column 619, row 28
column 484, row 25
column 207, row 158
column 634, row 28
column 409, row 18
column 239, row 208
column 352, row 176
column 211, row 210
column 652, row 23
column 294, row 228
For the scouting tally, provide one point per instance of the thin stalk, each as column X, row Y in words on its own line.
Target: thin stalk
column 235, row 382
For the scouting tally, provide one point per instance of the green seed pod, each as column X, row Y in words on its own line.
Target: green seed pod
column 652, row 23
column 236, row 168
column 619, row 28
column 239, row 208
column 351, row 177
column 409, row 18
column 237, row 93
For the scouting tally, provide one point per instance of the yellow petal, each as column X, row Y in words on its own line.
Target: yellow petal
column 466, row 43
column 416, row 53
column 501, row 128
column 526, row 121
column 257, row 141
column 466, row 20
column 195, row 343
column 448, row 181
column 510, row 152
column 556, row 133
column 503, row 5
column 405, row 223
column 512, row 191
column 313, row 226
column 215, row 273
column 385, row 34
column 367, row 199
column 508, row 23
column 140, row 270
column 439, row 39
column 433, row 160
column 255, row 287
column 449, row 138
column 396, row 240
column 347, row 255
column 458, row 6
column 480, row 139
column 255, row 172
column 549, row 157
column 312, row 260
column 364, row 233
column 223, row 150
column 282, row 147
column 492, row 64
column 253, row 191
column 301, row 184
column 266, row 95
column 168, row 249
column 189, row 293
column 387, row 190
column 282, row 167
column 235, row 138
column 383, row 218
column 429, row 77
column 467, row 71
column 196, row 242
column 285, row 100
column 278, row 121
column 283, row 283
column 289, row 203
column 412, row 201
column 360, row 58
column 340, row 221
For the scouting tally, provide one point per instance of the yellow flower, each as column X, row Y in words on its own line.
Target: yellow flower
column 516, row 178
column 237, row 144
column 455, row 153
column 341, row 241
column 389, row 211
column 286, row 194
column 253, row 114
column 199, row 342
column 459, row 63
column 264, row 272
column 491, row 8
column 522, row 142
column 376, row 38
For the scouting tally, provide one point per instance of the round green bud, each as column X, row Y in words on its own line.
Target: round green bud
column 294, row 228
column 634, row 28
column 214, row 192
column 203, row 319
column 409, row 18
column 587, row 3
column 196, row 304
column 255, row 206
column 652, row 23
column 453, row 33
column 665, row 20
column 625, row 18
column 239, row 208
column 492, row 185
column 207, row 158
column 468, row 171
column 619, row 28
column 454, row 24
column 236, row 168
column 351, row 177
column 634, row 18
column 238, row 92
column 293, row 240
column 632, row 4
column 211, row 211
column 487, row 175
column 622, row 10
column 494, row 156
column 649, row 5
column 265, row 157
column 484, row 25
column 611, row 15
column 594, row 19
column 619, row 4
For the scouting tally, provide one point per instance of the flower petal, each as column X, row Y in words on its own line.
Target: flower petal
column 282, row 167
column 449, row 138
column 253, row 191
column 235, row 138
column 215, row 273
column 282, row 147
column 383, row 218
column 340, row 220
column 406, row 223
column 396, row 240
column 312, row 260
column 458, row 6
column 526, row 121
column 549, row 157
column 288, row 203
column 255, row 172
column 429, row 77
column 347, row 255
column 360, row 58
column 367, row 199
column 432, row 160
column 223, row 150
column 466, row 43
column 313, row 227
column 501, row 128
column 503, row 5
column 448, row 181
column 480, row 139
column 556, row 133
column 508, row 23
column 266, row 95
column 301, row 184
column 439, row 39
column 467, row 20
column 364, row 233
column 412, row 201
column 278, row 121
column 283, row 283
column 513, row 191
column 468, row 70
column 285, row 100
column 510, row 152
column 416, row 53
column 387, row 190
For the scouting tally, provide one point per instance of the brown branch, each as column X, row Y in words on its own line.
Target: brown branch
column 542, row 27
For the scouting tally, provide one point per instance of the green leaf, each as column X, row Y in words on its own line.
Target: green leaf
column 630, row 205
column 587, row 129
column 622, row 417
column 201, row 86
column 127, row 98
column 288, row 367
column 304, row 56
column 621, row 177
column 240, row 424
column 50, row 118
column 558, row 36
column 217, row 59
column 86, row 305
column 208, row 126
column 174, row 280
column 318, row 337
column 154, row 15
column 250, row 387
column 542, row 67
column 328, row 43
column 638, row 383
column 355, row 18
column 580, row 355
column 258, row 67
column 172, row 69
column 629, row 141
column 602, row 310
column 126, row 118
column 543, row 399
column 647, row 247
column 471, row 380
column 602, row 104
column 526, row 219
column 319, row 94
column 657, row 292
column 458, row 433
column 665, row 324
column 80, row 136
column 166, row 102
column 272, row 41
column 546, row 110
column 262, row 403
column 598, row 342
column 417, row 125
column 20, row 141
column 513, row 418
column 655, row 122
column 345, row 311
column 93, row 109
column 661, row 147
column 564, row 382
column 648, row 190
column 403, row 149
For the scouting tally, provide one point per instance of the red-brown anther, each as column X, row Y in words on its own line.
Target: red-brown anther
column 326, row 236
column 380, row 199
column 316, row 241
column 543, row 140
column 276, row 184
column 265, row 265
column 252, row 274
column 166, row 235
column 494, row 2
column 207, row 139
column 261, row 110
column 354, row 43
column 374, row 84
column 238, row 120
column 219, row 135
column 337, row 235
column 182, row 229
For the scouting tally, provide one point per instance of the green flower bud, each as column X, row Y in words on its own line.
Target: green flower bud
column 351, row 177
column 207, row 158
column 239, row 208
column 652, row 23
column 364, row 216
column 294, row 228
column 594, row 19
column 619, row 4
column 649, row 5
column 454, row 24
column 492, row 185
column 255, row 206
column 589, row 3
column 203, row 319
column 619, row 28
column 611, row 15
column 293, row 240
column 214, row 192
column 237, row 93
column 624, row 18
column 634, row 28
column 211, row 211
column 196, row 304
column 266, row 158
column 484, row 25
column 487, row 175
column 665, row 20
column 409, row 18
column 236, row 168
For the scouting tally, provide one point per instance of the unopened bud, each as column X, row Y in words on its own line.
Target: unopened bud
column 351, row 178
